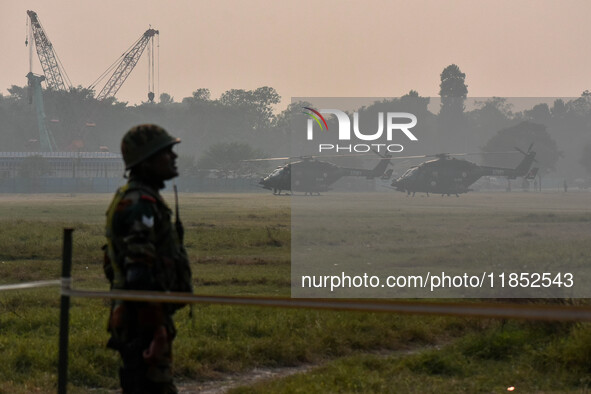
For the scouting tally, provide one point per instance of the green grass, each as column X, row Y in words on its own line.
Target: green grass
column 241, row 245
column 540, row 358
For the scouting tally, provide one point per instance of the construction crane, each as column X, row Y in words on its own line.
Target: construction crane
column 126, row 63
column 55, row 77
column 55, row 74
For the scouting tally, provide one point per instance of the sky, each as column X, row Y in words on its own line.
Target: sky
column 321, row 48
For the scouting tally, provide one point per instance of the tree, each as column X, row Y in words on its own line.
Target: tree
column 291, row 118
column 18, row 123
column 582, row 105
column 521, row 136
column 496, row 104
column 68, row 112
column 415, row 103
column 453, row 131
column 256, row 105
column 369, row 120
column 18, row 93
column 199, row 95
column 559, row 108
column 166, row 98
column 540, row 113
column 453, row 91
column 491, row 115
column 586, row 158
column 229, row 157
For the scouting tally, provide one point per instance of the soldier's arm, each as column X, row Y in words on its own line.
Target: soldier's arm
column 139, row 253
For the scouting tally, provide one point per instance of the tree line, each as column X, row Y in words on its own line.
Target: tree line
column 242, row 124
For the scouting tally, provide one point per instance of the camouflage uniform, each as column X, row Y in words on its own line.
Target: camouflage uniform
column 144, row 251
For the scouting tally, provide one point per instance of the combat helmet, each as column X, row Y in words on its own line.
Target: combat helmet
column 142, row 141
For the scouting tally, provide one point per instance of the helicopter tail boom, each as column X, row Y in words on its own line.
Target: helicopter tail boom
column 532, row 173
column 522, row 169
column 525, row 165
column 380, row 169
column 377, row 172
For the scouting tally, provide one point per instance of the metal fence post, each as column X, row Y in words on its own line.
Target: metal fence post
column 65, row 312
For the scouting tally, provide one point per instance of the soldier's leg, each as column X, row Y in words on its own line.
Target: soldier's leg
column 147, row 375
column 133, row 373
column 158, row 360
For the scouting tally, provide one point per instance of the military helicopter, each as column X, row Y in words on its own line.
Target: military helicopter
column 313, row 176
column 446, row 175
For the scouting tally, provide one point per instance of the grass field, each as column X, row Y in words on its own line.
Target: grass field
column 240, row 244
column 383, row 234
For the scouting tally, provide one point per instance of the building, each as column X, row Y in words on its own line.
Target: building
column 24, row 172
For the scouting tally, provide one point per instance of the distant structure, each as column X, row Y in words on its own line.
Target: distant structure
column 56, row 78
column 64, row 164
column 125, row 65
column 55, row 74
column 88, row 172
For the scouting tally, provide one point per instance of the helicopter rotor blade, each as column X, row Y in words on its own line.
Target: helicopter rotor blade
column 521, row 151
column 490, row 153
column 465, row 154
column 528, row 149
column 308, row 157
column 334, row 155
column 267, row 159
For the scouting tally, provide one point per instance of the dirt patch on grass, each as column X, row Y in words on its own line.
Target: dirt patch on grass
column 241, row 379
column 257, row 375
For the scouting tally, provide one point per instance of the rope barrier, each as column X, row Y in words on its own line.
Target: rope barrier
column 465, row 309
column 30, row 285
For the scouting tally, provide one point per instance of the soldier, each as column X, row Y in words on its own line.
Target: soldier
column 145, row 251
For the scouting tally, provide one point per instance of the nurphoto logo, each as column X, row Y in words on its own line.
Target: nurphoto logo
column 392, row 122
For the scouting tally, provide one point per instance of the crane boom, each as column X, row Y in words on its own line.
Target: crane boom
column 126, row 65
column 53, row 70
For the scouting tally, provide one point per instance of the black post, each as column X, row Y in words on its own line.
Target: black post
column 65, row 312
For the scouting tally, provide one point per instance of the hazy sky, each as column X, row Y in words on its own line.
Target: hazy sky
column 507, row 48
